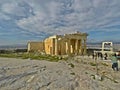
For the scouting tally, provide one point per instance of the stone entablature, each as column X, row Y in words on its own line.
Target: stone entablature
column 66, row 44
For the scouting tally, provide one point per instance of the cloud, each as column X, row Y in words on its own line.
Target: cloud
column 81, row 14
column 3, row 16
column 16, row 10
column 48, row 17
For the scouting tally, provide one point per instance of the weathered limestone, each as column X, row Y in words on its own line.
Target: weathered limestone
column 66, row 44
column 35, row 46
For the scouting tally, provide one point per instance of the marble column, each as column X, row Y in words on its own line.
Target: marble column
column 76, row 47
column 66, row 47
column 80, row 47
column 53, row 46
column 69, row 48
column 56, row 46
column 84, row 46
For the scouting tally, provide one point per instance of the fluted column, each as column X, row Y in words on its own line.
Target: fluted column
column 76, row 47
column 80, row 47
column 69, row 48
column 84, row 46
column 56, row 47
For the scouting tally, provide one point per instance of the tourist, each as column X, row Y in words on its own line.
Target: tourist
column 93, row 56
column 114, row 62
column 101, row 56
column 105, row 56
column 118, row 57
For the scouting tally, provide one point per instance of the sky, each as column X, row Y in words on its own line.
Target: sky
column 34, row 20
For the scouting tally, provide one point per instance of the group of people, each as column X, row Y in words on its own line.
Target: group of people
column 114, row 59
column 100, row 55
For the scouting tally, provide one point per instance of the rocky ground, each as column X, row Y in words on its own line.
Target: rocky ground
column 77, row 73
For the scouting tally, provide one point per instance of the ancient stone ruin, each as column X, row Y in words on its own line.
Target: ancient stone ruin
column 67, row 44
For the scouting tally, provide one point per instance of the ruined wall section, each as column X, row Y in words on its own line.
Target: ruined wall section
column 49, row 46
column 62, row 44
column 35, row 46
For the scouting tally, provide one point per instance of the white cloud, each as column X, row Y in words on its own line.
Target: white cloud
column 3, row 16
column 13, row 8
column 64, row 16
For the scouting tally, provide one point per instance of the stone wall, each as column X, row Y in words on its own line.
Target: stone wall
column 35, row 46
column 49, row 46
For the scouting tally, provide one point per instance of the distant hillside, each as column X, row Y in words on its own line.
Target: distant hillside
column 13, row 46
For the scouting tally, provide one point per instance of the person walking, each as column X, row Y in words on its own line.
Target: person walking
column 114, row 62
column 105, row 56
column 118, row 57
